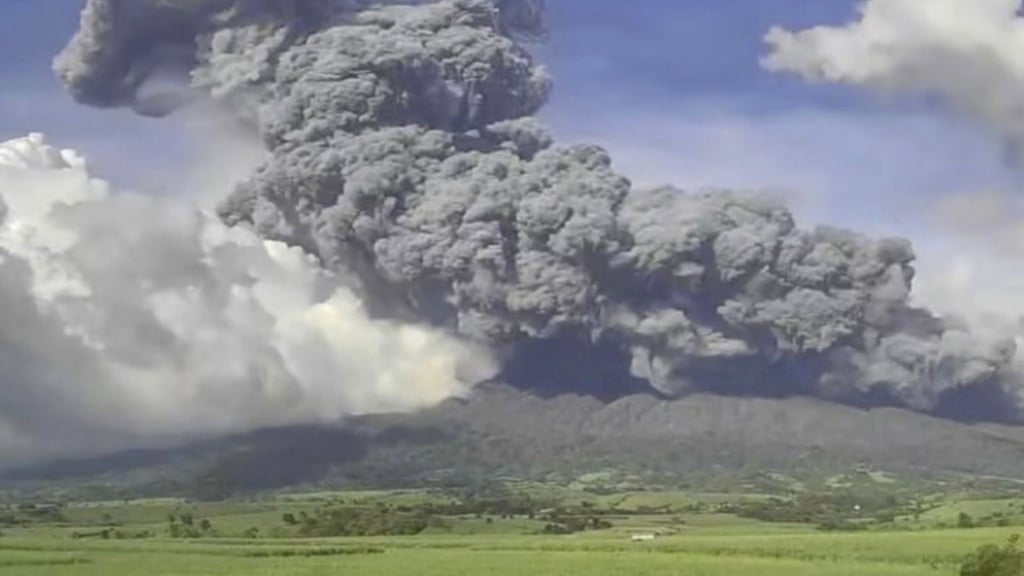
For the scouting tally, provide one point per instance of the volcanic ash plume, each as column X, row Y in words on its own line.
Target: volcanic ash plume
column 403, row 153
column 131, row 320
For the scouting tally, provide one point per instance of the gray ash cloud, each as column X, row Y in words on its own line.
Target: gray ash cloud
column 404, row 154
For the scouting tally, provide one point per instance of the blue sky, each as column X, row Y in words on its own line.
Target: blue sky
column 672, row 87
column 675, row 89
column 127, row 149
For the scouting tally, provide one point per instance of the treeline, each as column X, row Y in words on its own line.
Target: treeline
column 186, row 525
column 509, row 506
column 380, row 519
column 28, row 514
column 113, row 533
column 997, row 518
column 835, row 510
column 558, row 518
column 574, row 524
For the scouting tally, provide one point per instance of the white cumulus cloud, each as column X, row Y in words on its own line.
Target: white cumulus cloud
column 131, row 320
column 968, row 53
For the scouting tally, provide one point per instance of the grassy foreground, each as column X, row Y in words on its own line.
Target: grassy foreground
column 908, row 554
column 694, row 538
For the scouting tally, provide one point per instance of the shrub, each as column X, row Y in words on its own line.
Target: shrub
column 964, row 521
column 991, row 560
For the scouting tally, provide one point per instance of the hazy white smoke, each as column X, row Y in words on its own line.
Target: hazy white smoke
column 133, row 320
column 979, row 275
column 969, row 53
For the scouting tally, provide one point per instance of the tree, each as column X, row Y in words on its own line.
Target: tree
column 964, row 521
column 991, row 560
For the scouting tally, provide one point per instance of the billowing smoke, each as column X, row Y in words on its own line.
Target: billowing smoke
column 967, row 56
column 404, row 155
column 131, row 320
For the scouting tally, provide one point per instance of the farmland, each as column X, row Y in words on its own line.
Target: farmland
column 531, row 530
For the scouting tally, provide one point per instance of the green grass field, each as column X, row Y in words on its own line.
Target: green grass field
column 936, row 552
column 698, row 544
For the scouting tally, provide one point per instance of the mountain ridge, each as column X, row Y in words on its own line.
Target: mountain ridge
column 497, row 430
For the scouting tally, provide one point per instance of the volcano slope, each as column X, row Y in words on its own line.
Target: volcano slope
column 500, row 431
